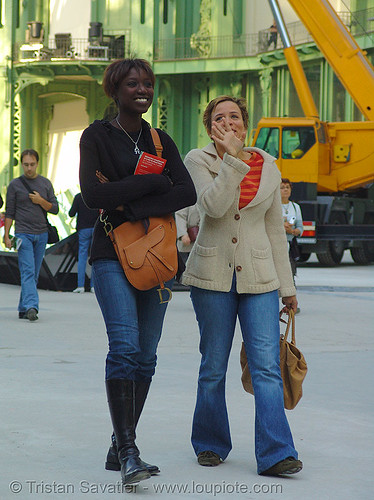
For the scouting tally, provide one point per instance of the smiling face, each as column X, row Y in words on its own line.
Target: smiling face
column 29, row 165
column 229, row 112
column 135, row 93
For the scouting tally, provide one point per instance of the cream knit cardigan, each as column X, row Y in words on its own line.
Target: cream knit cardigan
column 251, row 241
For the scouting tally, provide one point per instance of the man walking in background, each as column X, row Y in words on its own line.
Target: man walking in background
column 28, row 199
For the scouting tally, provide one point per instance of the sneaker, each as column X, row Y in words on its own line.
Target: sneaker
column 209, row 459
column 31, row 314
column 22, row 315
column 297, row 310
column 92, row 290
column 287, row 466
column 80, row 289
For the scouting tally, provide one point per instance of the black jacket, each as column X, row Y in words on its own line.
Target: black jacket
column 86, row 217
column 107, row 149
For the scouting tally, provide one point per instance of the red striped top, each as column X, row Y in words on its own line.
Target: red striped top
column 250, row 183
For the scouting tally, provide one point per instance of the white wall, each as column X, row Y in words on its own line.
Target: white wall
column 70, row 16
column 69, row 120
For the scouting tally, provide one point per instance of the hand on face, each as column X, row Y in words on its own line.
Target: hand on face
column 222, row 134
column 228, row 130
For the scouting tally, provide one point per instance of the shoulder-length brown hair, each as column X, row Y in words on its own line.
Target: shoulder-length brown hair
column 239, row 101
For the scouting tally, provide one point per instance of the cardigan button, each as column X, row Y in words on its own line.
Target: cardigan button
column 236, row 216
column 235, row 240
column 238, row 268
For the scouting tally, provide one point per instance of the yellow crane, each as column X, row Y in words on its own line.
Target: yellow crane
column 331, row 164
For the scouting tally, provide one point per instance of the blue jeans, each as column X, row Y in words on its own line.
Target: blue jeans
column 133, row 321
column 258, row 315
column 30, row 258
column 84, row 237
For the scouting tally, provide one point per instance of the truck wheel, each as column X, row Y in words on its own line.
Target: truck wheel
column 368, row 246
column 365, row 254
column 360, row 256
column 335, row 249
column 328, row 258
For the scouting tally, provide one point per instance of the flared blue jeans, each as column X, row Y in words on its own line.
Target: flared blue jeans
column 258, row 315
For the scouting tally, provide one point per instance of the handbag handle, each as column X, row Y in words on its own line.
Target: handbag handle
column 290, row 322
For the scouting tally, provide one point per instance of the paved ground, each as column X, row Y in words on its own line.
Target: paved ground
column 55, row 424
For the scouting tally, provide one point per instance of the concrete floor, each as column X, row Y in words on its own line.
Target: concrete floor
column 55, row 422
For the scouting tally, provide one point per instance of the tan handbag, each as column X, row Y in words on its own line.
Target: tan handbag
column 147, row 258
column 146, row 249
column 292, row 364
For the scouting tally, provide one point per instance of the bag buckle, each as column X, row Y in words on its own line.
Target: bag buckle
column 160, row 290
column 108, row 228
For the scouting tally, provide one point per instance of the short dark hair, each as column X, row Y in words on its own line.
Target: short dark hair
column 30, row 152
column 118, row 70
column 240, row 101
column 285, row 180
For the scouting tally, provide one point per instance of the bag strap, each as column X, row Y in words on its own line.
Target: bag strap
column 157, row 142
column 291, row 322
column 27, row 186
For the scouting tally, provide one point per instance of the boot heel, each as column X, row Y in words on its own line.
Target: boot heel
column 112, row 466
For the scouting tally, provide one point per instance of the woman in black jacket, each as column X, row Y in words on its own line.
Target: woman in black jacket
column 133, row 318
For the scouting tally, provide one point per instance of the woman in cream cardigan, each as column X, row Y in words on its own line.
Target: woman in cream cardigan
column 237, row 268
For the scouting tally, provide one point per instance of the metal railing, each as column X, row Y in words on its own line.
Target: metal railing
column 116, row 45
column 195, row 47
column 63, row 47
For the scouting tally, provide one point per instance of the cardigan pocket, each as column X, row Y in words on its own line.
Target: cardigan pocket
column 263, row 265
column 203, row 262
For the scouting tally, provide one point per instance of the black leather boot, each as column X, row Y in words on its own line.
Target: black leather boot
column 121, row 400
column 112, row 462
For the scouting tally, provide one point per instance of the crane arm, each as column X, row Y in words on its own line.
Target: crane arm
column 341, row 51
column 294, row 65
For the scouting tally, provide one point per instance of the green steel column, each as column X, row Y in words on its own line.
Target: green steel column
column 94, row 10
column 12, row 83
column 142, row 28
column 265, row 83
column 250, row 96
column 39, row 10
column 153, row 110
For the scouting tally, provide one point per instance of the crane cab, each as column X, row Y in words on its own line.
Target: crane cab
column 300, row 146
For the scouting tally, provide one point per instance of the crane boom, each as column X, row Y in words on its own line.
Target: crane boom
column 294, row 65
column 341, row 51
